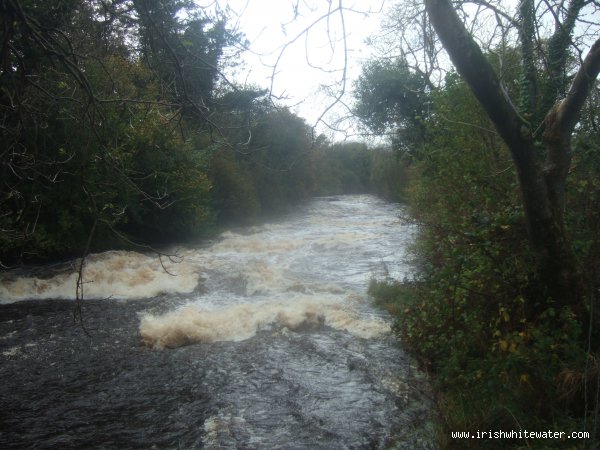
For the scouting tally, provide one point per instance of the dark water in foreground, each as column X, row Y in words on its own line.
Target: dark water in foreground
column 264, row 340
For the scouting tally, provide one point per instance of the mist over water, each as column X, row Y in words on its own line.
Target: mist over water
column 264, row 338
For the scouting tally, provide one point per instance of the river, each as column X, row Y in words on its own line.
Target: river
column 262, row 338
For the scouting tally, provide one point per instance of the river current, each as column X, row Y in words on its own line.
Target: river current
column 262, row 338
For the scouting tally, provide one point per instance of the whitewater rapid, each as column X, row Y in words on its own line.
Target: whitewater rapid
column 269, row 328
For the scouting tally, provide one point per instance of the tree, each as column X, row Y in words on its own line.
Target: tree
column 184, row 55
column 541, row 174
column 106, row 111
column 389, row 95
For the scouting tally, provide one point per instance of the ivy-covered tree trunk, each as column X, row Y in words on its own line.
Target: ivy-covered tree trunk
column 542, row 181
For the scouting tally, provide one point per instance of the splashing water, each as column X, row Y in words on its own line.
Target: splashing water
column 264, row 338
column 116, row 274
column 238, row 322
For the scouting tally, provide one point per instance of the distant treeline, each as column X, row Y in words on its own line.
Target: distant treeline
column 350, row 168
column 287, row 168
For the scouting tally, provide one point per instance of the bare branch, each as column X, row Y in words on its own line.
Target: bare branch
column 341, row 93
column 561, row 120
column 475, row 69
column 570, row 107
column 511, row 21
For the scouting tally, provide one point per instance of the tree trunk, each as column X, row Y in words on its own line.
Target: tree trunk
column 542, row 187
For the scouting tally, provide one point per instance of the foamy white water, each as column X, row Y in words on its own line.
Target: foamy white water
column 264, row 338
column 309, row 269
column 190, row 324
column 114, row 274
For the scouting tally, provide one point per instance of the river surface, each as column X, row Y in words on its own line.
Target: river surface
column 262, row 338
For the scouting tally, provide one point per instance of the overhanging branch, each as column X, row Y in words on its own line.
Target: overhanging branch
column 477, row 72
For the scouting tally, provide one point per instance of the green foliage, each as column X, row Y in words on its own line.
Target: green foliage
column 343, row 168
column 501, row 358
column 271, row 172
column 583, row 190
column 280, row 156
column 100, row 131
column 352, row 167
column 235, row 194
column 390, row 174
column 390, row 96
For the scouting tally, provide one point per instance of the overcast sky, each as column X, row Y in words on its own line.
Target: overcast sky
column 309, row 63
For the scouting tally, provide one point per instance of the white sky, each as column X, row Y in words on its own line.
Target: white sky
column 314, row 62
